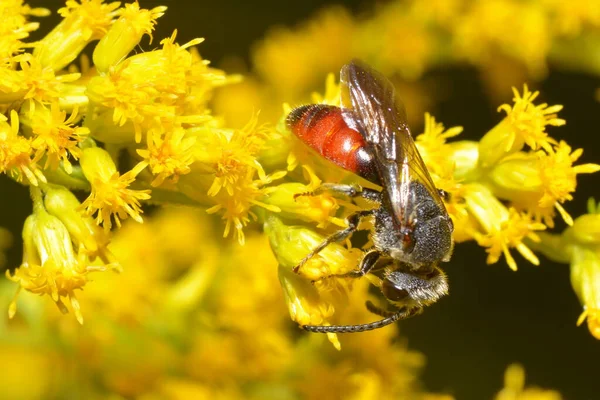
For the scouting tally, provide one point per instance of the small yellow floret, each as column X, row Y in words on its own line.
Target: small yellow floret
column 110, row 195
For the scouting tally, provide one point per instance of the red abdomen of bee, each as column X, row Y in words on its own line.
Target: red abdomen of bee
column 323, row 128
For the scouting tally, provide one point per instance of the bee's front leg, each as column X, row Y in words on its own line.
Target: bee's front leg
column 353, row 220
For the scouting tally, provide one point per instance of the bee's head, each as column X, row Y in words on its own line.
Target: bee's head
column 414, row 288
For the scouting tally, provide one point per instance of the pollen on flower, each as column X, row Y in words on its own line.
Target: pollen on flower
column 528, row 121
column 169, row 154
column 32, row 81
column 15, row 152
column 511, row 234
column 161, row 87
column 235, row 205
column 111, row 196
column 55, row 137
column 237, row 155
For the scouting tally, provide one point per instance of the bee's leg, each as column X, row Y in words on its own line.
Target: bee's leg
column 353, row 220
column 351, row 191
column 387, row 314
column 366, row 265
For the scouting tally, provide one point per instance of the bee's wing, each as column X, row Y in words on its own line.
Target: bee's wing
column 370, row 106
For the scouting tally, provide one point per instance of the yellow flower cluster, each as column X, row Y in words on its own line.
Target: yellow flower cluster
column 148, row 113
column 189, row 318
column 414, row 37
column 579, row 245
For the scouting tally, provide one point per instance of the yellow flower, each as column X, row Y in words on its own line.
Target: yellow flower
column 579, row 245
column 169, row 154
column 512, row 233
column 299, row 201
column 82, row 23
column 404, row 43
column 558, row 176
column 235, row 155
column 501, row 228
column 310, row 304
column 161, row 87
column 110, row 195
column 514, row 387
column 86, row 235
column 235, row 205
column 525, row 123
column 50, row 265
column 125, row 34
column 539, row 182
column 15, row 152
column 54, row 136
column 488, row 26
column 432, row 142
column 14, row 27
column 440, row 157
column 33, row 81
column 293, row 60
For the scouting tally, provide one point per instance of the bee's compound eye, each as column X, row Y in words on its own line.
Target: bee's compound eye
column 393, row 293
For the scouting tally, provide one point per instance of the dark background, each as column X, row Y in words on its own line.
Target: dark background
column 493, row 316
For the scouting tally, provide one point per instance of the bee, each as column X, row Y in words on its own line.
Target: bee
column 412, row 231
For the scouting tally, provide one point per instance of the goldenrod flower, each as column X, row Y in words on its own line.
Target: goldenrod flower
column 110, row 196
column 14, row 27
column 161, row 87
column 235, row 154
column 440, row 157
column 50, row 265
column 125, row 34
column 82, row 23
column 539, row 182
column 33, row 81
column 310, row 304
column 54, row 136
column 169, row 154
column 525, row 123
column 299, row 201
column 512, row 231
column 558, row 176
column 15, row 152
column 235, row 206
column 290, row 61
column 398, row 32
column 579, row 245
column 86, row 235
column 489, row 26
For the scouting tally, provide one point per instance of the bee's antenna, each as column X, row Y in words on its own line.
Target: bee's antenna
column 402, row 314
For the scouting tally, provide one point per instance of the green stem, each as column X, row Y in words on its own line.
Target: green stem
column 38, row 200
